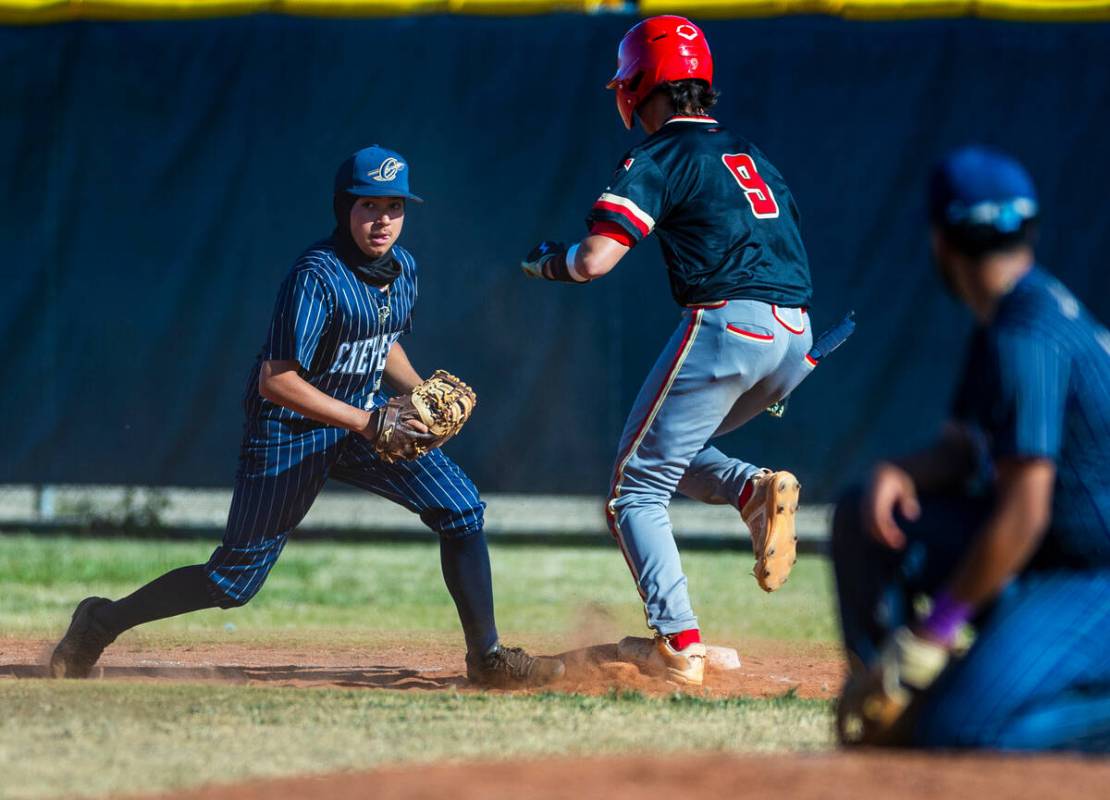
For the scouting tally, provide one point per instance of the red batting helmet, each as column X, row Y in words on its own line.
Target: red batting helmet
column 666, row 48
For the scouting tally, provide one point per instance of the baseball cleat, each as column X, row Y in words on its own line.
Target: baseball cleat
column 685, row 667
column 769, row 515
column 83, row 643
column 512, row 668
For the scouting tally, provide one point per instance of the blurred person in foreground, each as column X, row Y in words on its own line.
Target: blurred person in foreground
column 999, row 532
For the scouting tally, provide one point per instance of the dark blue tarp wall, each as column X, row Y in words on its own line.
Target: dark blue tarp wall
column 159, row 178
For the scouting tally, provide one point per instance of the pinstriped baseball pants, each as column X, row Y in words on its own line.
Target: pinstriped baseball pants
column 1037, row 676
column 281, row 471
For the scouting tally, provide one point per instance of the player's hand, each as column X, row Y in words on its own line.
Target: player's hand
column 376, row 420
column 891, row 490
column 538, row 258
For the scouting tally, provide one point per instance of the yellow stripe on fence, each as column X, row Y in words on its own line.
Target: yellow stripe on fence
column 48, row 11
column 1030, row 10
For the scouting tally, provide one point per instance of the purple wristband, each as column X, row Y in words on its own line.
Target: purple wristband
column 946, row 619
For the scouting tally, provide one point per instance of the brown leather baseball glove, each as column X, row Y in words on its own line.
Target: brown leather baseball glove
column 442, row 404
column 877, row 705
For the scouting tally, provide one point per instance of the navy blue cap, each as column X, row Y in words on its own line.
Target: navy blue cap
column 375, row 172
column 976, row 186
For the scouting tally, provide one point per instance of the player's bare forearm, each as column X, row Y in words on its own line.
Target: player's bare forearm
column 279, row 382
column 399, row 373
column 944, row 464
column 597, row 255
column 1011, row 535
column 591, row 258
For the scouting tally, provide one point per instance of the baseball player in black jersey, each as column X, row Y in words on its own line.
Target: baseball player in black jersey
column 728, row 228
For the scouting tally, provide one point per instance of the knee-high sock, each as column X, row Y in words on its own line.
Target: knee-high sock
column 466, row 571
column 177, row 592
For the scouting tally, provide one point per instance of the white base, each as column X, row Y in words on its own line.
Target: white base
column 721, row 659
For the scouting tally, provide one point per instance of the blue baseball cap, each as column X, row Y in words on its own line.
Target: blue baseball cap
column 980, row 187
column 375, row 171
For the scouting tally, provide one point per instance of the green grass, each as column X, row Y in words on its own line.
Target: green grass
column 68, row 739
column 325, row 589
column 92, row 739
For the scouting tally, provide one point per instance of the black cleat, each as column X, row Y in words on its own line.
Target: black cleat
column 83, row 643
column 512, row 668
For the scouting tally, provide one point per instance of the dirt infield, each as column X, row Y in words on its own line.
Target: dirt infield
column 823, row 777
column 767, row 669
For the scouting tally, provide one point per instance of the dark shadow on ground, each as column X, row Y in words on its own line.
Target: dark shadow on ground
column 375, row 677
column 592, row 670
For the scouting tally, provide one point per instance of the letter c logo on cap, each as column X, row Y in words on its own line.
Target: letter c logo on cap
column 387, row 171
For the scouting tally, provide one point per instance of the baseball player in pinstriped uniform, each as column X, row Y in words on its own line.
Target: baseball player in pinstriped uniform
column 728, row 227
column 314, row 410
column 1004, row 520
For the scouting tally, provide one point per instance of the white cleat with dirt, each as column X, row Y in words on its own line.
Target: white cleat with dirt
column 770, row 516
column 684, row 667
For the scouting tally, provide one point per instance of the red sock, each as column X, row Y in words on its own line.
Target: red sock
column 746, row 492
column 683, row 639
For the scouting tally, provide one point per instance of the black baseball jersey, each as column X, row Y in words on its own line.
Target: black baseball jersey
column 726, row 221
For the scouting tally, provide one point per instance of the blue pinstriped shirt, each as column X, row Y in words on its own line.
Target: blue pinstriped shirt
column 1037, row 384
column 338, row 328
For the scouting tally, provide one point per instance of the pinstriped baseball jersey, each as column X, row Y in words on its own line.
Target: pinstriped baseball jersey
column 1037, row 384
column 726, row 221
column 338, row 328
